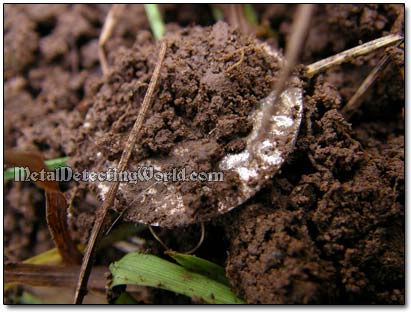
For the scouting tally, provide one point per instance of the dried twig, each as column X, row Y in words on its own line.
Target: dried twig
column 51, row 275
column 350, row 54
column 298, row 33
column 101, row 222
column 111, row 20
column 355, row 100
column 236, row 17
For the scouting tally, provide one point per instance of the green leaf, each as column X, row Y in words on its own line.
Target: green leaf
column 201, row 266
column 150, row 270
column 51, row 164
column 155, row 20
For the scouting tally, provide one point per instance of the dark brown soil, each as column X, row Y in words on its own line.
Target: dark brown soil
column 205, row 94
column 329, row 228
column 41, row 80
column 331, row 225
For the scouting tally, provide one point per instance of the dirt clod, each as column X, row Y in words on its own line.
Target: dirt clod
column 200, row 107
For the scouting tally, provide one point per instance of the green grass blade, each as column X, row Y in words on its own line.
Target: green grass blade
column 149, row 270
column 201, row 266
column 51, row 164
column 51, row 256
column 217, row 13
column 250, row 14
column 57, row 163
column 155, row 20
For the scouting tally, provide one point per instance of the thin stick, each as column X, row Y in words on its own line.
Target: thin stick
column 50, row 275
column 355, row 100
column 236, row 17
column 298, row 33
column 111, row 20
column 349, row 54
column 100, row 222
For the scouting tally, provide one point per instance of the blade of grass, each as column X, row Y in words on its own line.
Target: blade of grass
column 250, row 14
column 51, row 164
column 49, row 257
column 201, row 266
column 155, row 20
column 149, row 270
column 216, row 12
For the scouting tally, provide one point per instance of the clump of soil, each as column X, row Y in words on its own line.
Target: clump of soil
column 330, row 229
column 211, row 79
